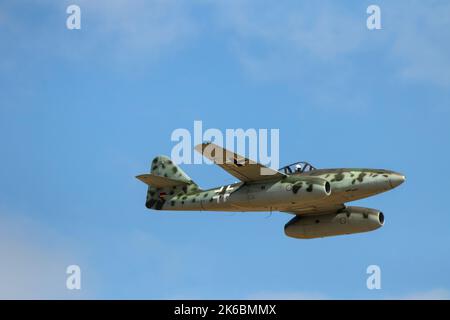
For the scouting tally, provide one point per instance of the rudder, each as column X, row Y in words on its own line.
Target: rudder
column 164, row 167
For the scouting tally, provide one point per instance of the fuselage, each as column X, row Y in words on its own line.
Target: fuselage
column 297, row 191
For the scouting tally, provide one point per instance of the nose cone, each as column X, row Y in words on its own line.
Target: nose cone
column 396, row 179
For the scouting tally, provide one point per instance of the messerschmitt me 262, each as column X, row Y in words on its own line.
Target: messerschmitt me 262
column 316, row 197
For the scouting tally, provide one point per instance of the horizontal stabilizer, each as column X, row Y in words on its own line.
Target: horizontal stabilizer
column 160, row 182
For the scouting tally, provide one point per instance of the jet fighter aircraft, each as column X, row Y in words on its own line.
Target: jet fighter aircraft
column 316, row 197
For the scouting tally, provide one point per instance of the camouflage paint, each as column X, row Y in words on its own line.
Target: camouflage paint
column 291, row 193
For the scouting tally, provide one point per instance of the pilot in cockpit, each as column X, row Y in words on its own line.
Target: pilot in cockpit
column 298, row 168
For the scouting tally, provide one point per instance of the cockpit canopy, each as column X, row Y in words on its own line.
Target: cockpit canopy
column 297, row 167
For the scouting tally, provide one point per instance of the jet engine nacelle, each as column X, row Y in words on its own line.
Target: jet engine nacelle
column 293, row 190
column 346, row 221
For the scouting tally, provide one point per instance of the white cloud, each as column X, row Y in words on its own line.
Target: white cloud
column 286, row 295
column 142, row 28
column 309, row 42
column 314, row 27
column 281, row 42
column 33, row 261
column 310, row 47
column 421, row 40
column 271, row 33
column 114, row 32
column 434, row 294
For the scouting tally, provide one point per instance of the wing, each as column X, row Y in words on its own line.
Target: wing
column 238, row 166
column 313, row 210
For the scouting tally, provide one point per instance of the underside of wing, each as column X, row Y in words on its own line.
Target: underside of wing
column 238, row 166
column 318, row 209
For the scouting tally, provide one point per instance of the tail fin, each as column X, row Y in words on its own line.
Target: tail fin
column 165, row 181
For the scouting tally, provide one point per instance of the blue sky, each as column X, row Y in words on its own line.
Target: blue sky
column 84, row 111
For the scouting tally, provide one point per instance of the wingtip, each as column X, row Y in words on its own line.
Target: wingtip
column 140, row 177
